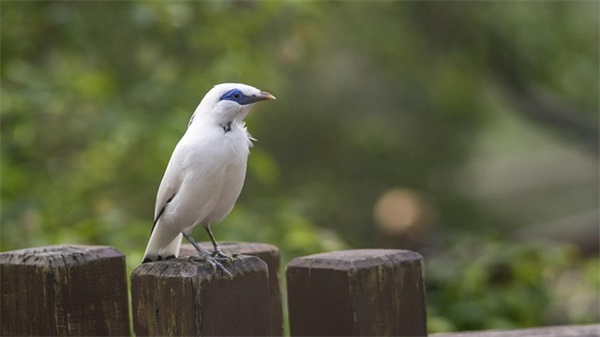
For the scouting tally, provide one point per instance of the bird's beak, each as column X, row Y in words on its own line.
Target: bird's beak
column 262, row 96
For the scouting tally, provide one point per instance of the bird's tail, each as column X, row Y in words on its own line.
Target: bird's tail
column 163, row 244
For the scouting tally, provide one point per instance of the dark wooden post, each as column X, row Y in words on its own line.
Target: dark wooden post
column 182, row 297
column 267, row 253
column 64, row 291
column 369, row 292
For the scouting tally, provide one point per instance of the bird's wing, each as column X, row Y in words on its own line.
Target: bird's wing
column 169, row 185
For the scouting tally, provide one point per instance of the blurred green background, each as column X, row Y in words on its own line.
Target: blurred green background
column 466, row 131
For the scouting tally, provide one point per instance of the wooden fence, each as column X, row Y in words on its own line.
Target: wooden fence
column 82, row 291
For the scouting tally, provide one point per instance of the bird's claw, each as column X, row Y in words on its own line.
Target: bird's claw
column 220, row 256
column 214, row 262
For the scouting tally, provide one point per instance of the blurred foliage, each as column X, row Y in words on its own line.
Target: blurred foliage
column 504, row 286
column 371, row 96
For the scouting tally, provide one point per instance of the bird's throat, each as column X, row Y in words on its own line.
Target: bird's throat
column 226, row 126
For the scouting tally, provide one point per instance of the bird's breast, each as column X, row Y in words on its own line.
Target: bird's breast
column 210, row 165
column 219, row 145
column 214, row 171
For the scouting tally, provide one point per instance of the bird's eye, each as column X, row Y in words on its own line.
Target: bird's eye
column 235, row 95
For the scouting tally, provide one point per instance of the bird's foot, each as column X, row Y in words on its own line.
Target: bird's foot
column 220, row 256
column 213, row 261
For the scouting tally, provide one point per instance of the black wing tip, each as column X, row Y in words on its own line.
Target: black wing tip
column 158, row 258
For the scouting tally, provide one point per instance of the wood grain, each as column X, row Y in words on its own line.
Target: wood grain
column 67, row 290
column 183, row 297
column 368, row 292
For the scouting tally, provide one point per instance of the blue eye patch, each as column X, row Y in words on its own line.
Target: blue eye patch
column 238, row 96
column 235, row 95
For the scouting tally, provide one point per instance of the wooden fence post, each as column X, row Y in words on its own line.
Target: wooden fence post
column 67, row 290
column 368, row 292
column 182, row 297
column 267, row 253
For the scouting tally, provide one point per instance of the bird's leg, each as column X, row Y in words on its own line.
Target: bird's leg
column 206, row 255
column 217, row 251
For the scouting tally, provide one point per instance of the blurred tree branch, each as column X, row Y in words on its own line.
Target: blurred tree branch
column 508, row 67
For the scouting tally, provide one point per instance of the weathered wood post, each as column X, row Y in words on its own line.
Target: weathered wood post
column 183, row 297
column 64, row 291
column 368, row 292
column 267, row 253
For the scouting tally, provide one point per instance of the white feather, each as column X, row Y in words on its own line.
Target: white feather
column 206, row 171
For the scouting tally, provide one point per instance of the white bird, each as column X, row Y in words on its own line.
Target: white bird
column 206, row 172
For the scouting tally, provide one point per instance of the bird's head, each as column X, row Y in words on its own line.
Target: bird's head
column 230, row 102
